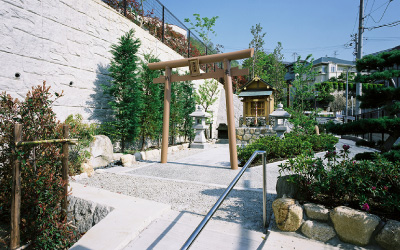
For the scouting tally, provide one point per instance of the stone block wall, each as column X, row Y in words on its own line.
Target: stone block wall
column 67, row 44
column 245, row 136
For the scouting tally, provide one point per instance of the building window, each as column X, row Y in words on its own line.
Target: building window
column 257, row 106
column 323, row 69
column 333, row 69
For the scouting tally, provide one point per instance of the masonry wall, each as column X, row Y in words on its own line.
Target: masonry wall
column 65, row 43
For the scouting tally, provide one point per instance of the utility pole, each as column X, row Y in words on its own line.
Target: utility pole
column 359, row 53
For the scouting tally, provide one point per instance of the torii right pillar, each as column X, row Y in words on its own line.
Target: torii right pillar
column 230, row 114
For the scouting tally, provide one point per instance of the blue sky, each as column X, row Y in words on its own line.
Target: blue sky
column 317, row 27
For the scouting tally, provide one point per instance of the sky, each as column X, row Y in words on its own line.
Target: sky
column 317, row 27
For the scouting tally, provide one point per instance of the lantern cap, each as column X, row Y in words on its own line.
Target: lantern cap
column 280, row 112
column 199, row 113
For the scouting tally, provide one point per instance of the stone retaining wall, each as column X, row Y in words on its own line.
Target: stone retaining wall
column 245, row 135
column 67, row 44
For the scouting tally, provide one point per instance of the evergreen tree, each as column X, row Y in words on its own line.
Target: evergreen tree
column 151, row 119
column 207, row 94
column 387, row 98
column 275, row 72
column 125, row 89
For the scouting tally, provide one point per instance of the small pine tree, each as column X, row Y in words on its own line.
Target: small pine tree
column 152, row 117
column 189, row 106
column 125, row 89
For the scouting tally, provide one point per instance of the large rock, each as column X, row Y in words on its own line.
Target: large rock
column 287, row 188
column 317, row 230
column 316, row 211
column 88, row 169
column 389, row 237
column 128, row 160
column 101, row 150
column 85, row 214
column 353, row 226
column 288, row 214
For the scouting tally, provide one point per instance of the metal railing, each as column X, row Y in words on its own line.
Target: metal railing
column 154, row 17
column 207, row 218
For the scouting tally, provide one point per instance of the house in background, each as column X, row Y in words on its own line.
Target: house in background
column 326, row 68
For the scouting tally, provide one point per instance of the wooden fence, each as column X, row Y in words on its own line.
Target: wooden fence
column 16, row 177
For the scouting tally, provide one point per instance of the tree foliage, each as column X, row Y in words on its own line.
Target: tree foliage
column 203, row 26
column 125, row 89
column 303, row 89
column 207, row 94
column 257, row 61
column 378, row 66
column 151, row 120
column 383, row 97
column 42, row 189
column 275, row 72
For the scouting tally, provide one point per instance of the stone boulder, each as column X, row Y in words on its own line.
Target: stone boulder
column 88, row 169
column 117, row 156
column 389, row 237
column 286, row 188
column 288, row 214
column 354, row 226
column 101, row 150
column 316, row 211
column 128, row 160
column 317, row 230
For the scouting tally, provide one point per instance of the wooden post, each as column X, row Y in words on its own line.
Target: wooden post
column 230, row 114
column 16, row 190
column 167, row 102
column 64, row 170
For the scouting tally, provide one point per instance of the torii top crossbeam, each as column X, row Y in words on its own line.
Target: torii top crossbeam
column 193, row 64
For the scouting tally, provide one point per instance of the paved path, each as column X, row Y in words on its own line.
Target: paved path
column 191, row 185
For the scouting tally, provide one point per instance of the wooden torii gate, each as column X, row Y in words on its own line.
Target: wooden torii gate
column 195, row 74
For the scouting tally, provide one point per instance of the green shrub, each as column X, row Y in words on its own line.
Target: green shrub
column 393, row 156
column 42, row 221
column 370, row 185
column 84, row 133
column 365, row 156
column 291, row 145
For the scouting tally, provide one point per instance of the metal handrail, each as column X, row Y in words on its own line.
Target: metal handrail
column 207, row 218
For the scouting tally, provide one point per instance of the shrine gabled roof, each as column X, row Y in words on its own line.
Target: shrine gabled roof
column 255, row 93
column 256, row 79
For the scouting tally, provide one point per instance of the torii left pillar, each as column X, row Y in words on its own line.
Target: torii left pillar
column 167, row 104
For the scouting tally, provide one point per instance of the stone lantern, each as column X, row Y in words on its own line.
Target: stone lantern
column 199, row 125
column 280, row 117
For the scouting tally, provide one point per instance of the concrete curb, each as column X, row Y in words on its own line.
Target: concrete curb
column 129, row 217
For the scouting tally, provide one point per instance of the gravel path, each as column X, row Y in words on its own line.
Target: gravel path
column 193, row 180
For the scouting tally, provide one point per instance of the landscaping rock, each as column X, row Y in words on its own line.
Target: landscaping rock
column 87, row 168
column 287, row 188
column 117, row 156
column 288, row 214
column 316, row 211
column 353, row 226
column 246, row 137
column 101, row 150
column 138, row 156
column 128, row 160
column 317, row 230
column 389, row 237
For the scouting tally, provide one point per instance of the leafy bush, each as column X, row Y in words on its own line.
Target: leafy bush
column 84, row 133
column 42, row 221
column 291, row 145
column 370, row 185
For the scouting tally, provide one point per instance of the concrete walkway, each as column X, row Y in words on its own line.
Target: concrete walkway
column 191, row 185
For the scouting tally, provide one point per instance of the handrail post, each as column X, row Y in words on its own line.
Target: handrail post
column 163, row 24
column 16, row 190
column 264, row 164
column 64, row 170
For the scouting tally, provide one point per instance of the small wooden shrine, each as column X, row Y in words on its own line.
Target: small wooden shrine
column 258, row 102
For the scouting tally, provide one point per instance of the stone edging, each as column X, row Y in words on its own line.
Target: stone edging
column 350, row 225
